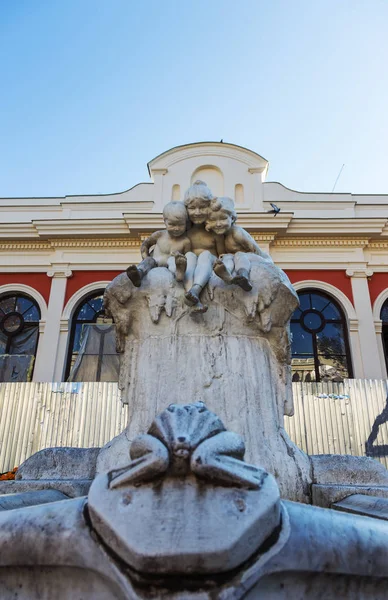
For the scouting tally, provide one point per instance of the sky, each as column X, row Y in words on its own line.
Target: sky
column 91, row 90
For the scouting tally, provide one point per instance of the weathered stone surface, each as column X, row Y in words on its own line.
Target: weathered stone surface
column 70, row 487
column 12, row 501
column 359, row 504
column 325, row 495
column 226, row 358
column 60, row 463
column 349, row 470
column 48, row 551
column 181, row 525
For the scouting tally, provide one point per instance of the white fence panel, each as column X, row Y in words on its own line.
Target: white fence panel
column 343, row 418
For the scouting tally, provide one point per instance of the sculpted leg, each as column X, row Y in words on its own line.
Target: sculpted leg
column 180, row 266
column 242, row 265
column 223, row 267
column 220, row 458
column 150, row 458
column 188, row 280
column 136, row 273
column 202, row 275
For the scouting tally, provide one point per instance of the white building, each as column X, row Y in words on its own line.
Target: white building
column 58, row 254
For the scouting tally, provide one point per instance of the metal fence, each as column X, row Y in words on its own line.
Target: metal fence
column 341, row 418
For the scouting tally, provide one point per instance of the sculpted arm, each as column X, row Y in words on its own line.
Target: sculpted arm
column 247, row 243
column 220, row 245
column 187, row 246
column 149, row 242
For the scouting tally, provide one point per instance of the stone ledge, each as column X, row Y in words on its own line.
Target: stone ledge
column 70, row 487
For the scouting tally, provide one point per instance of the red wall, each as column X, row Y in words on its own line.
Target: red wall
column 39, row 281
column 377, row 283
column 336, row 278
column 82, row 278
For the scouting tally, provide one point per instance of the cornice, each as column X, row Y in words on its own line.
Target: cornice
column 21, row 246
column 297, row 242
column 263, row 237
column 363, row 226
column 124, row 242
column 378, row 245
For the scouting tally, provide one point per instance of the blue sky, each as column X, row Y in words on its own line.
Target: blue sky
column 93, row 89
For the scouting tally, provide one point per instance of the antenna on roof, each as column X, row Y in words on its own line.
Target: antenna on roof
column 338, row 176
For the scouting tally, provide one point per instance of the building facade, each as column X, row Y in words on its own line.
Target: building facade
column 58, row 254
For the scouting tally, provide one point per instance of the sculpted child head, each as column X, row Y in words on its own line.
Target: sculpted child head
column 197, row 200
column 222, row 215
column 175, row 218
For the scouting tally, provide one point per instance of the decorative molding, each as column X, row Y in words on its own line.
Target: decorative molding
column 22, row 246
column 58, row 273
column 379, row 327
column 347, row 226
column 128, row 242
column 359, row 273
column 353, row 325
column 64, row 325
column 263, row 237
column 254, row 170
column 378, row 245
column 180, row 153
column 320, row 241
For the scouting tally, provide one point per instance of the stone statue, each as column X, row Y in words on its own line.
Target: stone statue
column 185, row 439
column 206, row 338
column 221, row 219
column 169, row 246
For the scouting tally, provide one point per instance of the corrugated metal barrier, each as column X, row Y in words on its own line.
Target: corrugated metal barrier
column 343, row 418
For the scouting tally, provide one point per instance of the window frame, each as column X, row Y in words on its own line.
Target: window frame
column 17, row 294
column 342, row 321
column 73, row 325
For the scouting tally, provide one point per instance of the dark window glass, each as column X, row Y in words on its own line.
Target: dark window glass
column 92, row 354
column 384, row 312
column 384, row 332
column 320, row 349
column 19, row 333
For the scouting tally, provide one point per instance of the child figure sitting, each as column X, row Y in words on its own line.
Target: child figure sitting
column 221, row 220
column 169, row 246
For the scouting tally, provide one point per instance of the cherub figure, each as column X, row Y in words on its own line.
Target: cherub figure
column 221, row 220
column 169, row 246
column 206, row 245
column 187, row 439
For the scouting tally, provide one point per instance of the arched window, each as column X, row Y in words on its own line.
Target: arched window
column 384, row 331
column 320, row 347
column 19, row 332
column 92, row 349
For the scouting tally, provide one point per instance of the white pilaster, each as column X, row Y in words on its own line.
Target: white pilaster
column 48, row 348
column 257, row 174
column 159, row 199
column 379, row 339
column 369, row 350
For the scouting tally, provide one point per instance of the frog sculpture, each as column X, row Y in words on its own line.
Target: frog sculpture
column 186, row 439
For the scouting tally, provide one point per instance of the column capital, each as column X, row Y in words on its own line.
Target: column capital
column 379, row 326
column 359, row 273
column 60, row 273
column 353, row 325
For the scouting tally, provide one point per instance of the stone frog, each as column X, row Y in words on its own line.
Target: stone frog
column 187, row 439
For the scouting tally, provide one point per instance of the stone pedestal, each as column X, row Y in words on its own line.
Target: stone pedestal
column 235, row 358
